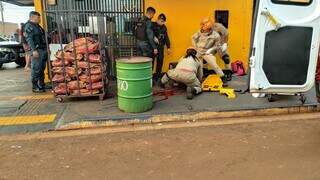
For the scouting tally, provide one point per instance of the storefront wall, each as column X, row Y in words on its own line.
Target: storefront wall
column 184, row 18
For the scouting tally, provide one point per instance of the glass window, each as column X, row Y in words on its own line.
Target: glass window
column 222, row 17
column 293, row 2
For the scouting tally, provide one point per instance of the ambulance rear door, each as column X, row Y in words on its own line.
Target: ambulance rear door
column 285, row 46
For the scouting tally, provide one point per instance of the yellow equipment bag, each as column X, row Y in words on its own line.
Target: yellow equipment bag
column 213, row 83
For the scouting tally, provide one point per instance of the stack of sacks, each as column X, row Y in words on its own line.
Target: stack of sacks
column 77, row 69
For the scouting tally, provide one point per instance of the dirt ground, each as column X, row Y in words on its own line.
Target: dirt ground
column 277, row 150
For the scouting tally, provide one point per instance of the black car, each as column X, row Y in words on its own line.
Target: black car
column 11, row 51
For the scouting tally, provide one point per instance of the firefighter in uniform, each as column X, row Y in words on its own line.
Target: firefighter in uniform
column 35, row 37
column 189, row 71
column 207, row 43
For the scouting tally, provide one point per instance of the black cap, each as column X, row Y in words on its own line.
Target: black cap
column 162, row 17
column 34, row 13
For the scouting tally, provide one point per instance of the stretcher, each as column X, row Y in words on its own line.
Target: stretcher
column 213, row 83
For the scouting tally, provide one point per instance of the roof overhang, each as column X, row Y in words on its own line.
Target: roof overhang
column 20, row 2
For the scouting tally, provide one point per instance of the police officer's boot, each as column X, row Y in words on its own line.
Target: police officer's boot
column 191, row 92
column 42, row 85
column 36, row 88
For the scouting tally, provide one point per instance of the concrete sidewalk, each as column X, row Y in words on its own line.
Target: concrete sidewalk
column 92, row 110
column 23, row 111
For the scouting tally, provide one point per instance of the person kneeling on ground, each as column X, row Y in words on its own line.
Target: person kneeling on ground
column 189, row 72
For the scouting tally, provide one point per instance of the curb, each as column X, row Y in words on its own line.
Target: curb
column 187, row 117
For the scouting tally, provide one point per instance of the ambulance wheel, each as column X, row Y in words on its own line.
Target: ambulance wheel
column 270, row 98
column 303, row 99
column 60, row 99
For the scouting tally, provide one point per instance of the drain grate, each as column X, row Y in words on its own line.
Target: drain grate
column 31, row 107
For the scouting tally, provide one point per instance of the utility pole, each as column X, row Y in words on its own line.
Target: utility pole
column 2, row 18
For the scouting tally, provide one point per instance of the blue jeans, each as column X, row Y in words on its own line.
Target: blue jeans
column 144, row 49
column 38, row 65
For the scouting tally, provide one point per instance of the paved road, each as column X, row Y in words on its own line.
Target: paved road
column 277, row 150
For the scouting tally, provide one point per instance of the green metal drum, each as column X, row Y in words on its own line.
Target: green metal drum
column 135, row 84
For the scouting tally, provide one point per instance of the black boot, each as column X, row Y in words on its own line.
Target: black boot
column 154, row 79
column 42, row 85
column 191, row 92
column 36, row 88
column 226, row 58
column 162, row 85
column 45, row 86
column 224, row 80
column 228, row 74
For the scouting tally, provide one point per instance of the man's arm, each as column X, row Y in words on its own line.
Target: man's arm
column 223, row 31
column 195, row 39
column 150, row 35
column 168, row 43
column 218, row 44
column 225, row 36
column 154, row 29
column 28, row 32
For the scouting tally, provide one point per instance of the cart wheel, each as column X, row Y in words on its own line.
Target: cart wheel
column 60, row 99
column 270, row 98
column 101, row 97
column 303, row 99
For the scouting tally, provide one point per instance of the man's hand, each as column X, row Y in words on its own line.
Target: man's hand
column 224, row 47
column 35, row 54
column 155, row 51
column 156, row 40
column 169, row 51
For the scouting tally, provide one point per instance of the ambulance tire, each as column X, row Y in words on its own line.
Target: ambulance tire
column 270, row 98
column 303, row 98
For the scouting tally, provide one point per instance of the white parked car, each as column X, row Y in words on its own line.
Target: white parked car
column 11, row 51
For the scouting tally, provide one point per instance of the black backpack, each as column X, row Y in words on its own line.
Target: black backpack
column 140, row 29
